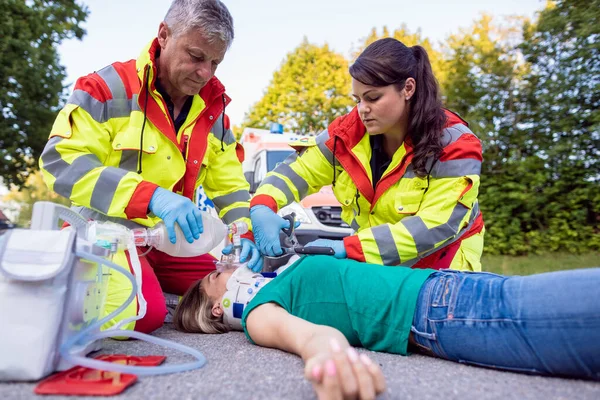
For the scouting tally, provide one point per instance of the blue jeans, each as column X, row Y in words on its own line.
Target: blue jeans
column 544, row 324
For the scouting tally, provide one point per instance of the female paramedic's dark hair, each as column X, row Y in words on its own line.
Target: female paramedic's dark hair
column 389, row 62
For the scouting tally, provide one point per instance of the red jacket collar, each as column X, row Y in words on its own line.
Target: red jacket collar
column 349, row 128
column 453, row 118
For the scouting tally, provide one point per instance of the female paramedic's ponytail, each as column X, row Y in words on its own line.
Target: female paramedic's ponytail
column 427, row 118
column 389, row 62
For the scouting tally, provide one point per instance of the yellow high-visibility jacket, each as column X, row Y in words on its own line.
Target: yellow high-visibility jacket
column 98, row 157
column 431, row 222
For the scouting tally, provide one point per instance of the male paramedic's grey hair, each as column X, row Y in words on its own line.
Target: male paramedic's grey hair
column 210, row 16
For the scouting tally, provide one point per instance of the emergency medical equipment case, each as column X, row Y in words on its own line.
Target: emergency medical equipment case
column 47, row 293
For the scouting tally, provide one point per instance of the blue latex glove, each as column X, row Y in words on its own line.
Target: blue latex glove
column 336, row 245
column 248, row 247
column 172, row 207
column 266, row 226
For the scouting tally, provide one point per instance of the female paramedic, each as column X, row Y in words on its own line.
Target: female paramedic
column 320, row 306
column 405, row 171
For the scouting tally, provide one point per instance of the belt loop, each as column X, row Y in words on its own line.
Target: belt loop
column 428, row 336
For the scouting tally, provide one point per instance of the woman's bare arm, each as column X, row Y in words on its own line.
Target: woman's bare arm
column 332, row 371
column 269, row 325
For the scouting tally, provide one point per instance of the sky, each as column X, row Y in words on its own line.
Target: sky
column 267, row 30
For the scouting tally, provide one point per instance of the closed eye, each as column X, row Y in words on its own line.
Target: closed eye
column 196, row 58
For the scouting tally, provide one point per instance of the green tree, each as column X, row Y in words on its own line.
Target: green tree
column 486, row 79
column 31, row 77
column 310, row 89
column 21, row 200
column 532, row 96
column 561, row 119
column 403, row 34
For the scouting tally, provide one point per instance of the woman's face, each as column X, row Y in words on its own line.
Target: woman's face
column 383, row 109
column 215, row 284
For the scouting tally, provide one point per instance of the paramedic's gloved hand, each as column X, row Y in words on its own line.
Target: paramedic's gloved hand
column 336, row 245
column 248, row 248
column 266, row 226
column 171, row 208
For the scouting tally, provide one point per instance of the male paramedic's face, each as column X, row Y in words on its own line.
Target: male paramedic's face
column 383, row 109
column 188, row 61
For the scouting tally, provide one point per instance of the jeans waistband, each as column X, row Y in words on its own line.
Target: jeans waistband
column 421, row 331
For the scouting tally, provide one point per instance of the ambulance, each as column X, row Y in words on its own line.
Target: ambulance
column 319, row 213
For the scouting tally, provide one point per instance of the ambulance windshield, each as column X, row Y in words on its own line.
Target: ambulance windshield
column 275, row 157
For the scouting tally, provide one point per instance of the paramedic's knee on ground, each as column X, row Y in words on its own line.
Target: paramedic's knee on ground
column 160, row 273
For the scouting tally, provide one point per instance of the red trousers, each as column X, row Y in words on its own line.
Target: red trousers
column 164, row 273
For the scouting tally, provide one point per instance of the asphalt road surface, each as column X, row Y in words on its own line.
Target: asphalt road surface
column 238, row 370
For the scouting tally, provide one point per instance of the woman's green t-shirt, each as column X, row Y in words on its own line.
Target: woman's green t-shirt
column 372, row 305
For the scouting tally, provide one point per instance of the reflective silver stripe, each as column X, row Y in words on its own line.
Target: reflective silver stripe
column 410, row 172
column 53, row 162
column 354, row 225
column 129, row 160
column 452, row 133
column 105, row 188
column 321, row 139
column 456, row 168
column 99, row 111
column 474, row 214
column 97, row 216
column 448, row 169
column 134, row 103
column 299, row 182
column 223, row 201
column 236, row 213
column 279, row 184
column 291, row 158
column 117, row 107
column 113, row 81
column 425, row 238
column 217, row 130
column 69, row 176
column 386, row 244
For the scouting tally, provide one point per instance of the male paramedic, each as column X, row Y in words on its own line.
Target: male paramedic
column 137, row 138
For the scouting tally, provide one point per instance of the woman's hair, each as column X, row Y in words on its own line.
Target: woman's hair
column 211, row 16
column 389, row 62
column 194, row 313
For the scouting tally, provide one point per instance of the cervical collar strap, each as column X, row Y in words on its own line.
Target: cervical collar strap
column 242, row 286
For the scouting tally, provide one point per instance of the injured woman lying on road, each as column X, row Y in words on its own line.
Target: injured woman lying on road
column 321, row 307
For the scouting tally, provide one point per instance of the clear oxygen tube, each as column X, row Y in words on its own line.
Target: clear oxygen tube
column 92, row 332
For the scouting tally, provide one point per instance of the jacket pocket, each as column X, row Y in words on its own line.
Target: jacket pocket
column 346, row 195
column 130, row 139
column 409, row 202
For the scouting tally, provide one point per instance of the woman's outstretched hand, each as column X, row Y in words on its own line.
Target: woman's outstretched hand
column 344, row 374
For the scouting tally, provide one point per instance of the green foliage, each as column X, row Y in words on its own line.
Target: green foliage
column 536, row 264
column 31, row 77
column 534, row 103
column 311, row 89
column 21, row 199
